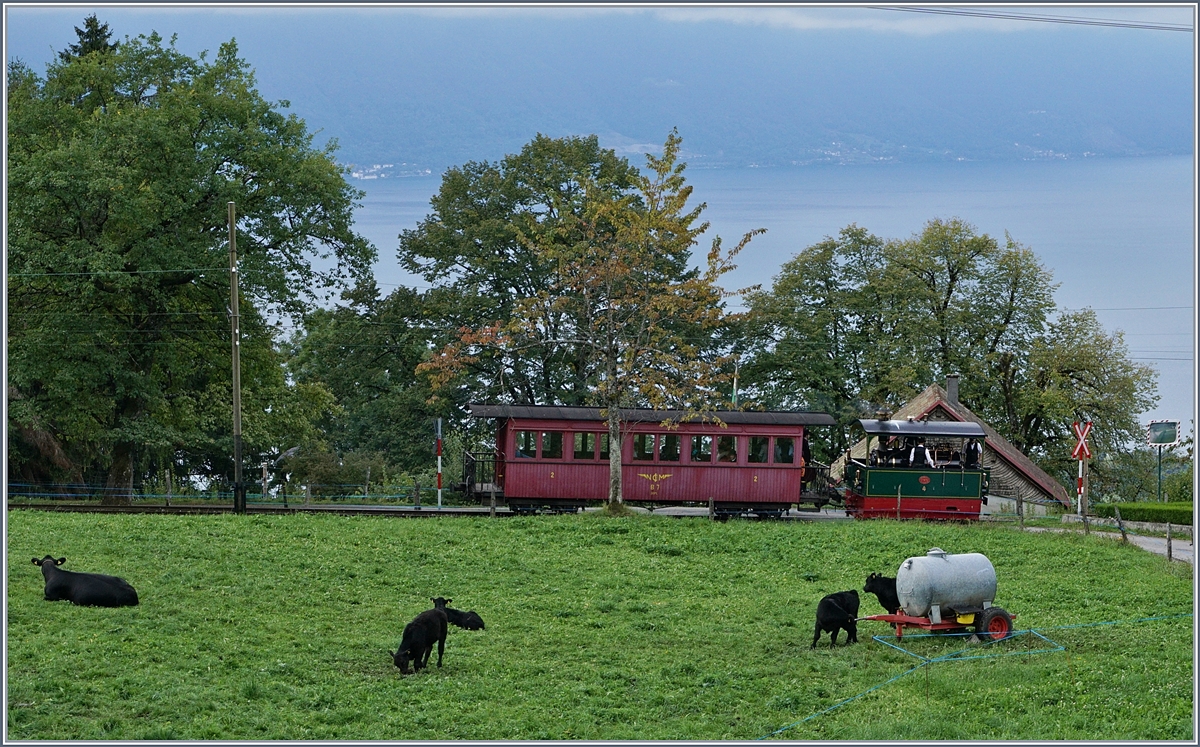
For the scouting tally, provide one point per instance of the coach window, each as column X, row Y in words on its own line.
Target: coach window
column 701, row 448
column 585, row 445
column 785, row 450
column 669, row 450
column 726, row 448
column 526, row 444
column 604, row 446
column 551, row 445
column 758, row 450
column 643, row 447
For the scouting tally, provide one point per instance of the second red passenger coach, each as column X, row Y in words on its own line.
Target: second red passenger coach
column 558, row 457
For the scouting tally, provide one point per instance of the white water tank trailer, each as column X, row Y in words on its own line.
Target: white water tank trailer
column 942, row 592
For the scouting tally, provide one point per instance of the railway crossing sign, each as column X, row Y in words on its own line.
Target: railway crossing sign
column 1082, row 450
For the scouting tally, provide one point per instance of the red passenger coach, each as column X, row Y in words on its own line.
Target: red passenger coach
column 557, row 458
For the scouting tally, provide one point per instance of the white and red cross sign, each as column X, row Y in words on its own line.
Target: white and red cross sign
column 1082, row 451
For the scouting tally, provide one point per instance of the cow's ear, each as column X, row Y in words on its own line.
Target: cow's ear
column 60, row 561
column 36, row 561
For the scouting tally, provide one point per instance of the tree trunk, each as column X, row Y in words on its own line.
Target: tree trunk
column 614, row 457
column 119, row 488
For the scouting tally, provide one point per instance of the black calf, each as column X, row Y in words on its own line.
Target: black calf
column 416, row 645
column 837, row 612
column 87, row 589
column 466, row 620
column 884, row 589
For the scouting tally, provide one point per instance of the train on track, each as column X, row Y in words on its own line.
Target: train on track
column 556, row 459
column 888, row 485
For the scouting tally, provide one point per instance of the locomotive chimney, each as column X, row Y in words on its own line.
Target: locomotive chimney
column 952, row 388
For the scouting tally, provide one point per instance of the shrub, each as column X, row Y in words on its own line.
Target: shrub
column 1162, row 513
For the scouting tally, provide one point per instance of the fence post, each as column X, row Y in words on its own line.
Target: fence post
column 897, row 502
column 1168, row 541
column 307, row 493
column 492, row 492
column 712, row 509
column 417, row 495
column 1087, row 527
column 1021, row 512
column 168, row 487
column 1120, row 524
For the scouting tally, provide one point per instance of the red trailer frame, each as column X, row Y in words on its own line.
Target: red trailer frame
column 555, row 457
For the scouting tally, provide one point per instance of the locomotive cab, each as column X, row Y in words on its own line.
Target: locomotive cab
column 897, row 480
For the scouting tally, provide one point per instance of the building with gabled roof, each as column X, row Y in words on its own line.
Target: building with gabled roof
column 1013, row 474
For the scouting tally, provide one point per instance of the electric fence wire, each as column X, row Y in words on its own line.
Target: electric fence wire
column 957, row 656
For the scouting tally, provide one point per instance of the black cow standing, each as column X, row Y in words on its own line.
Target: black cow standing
column 87, row 589
column 884, row 589
column 416, row 645
column 837, row 612
column 465, row 620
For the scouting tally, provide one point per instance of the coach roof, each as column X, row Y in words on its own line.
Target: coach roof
column 922, row 428
column 734, row 417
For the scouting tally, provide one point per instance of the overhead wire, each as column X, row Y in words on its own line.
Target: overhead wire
column 1071, row 20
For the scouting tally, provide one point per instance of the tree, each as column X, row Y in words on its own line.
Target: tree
column 120, row 166
column 856, row 323
column 1075, row 372
column 366, row 352
column 93, row 37
column 621, row 296
column 472, row 248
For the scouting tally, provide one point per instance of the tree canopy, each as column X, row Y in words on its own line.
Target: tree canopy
column 618, row 292
column 856, row 322
column 120, row 164
column 475, row 248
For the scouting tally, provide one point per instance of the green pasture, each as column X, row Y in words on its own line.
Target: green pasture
column 279, row 627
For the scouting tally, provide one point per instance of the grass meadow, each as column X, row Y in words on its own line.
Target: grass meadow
column 279, row 627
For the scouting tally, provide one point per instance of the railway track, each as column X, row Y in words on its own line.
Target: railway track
column 272, row 509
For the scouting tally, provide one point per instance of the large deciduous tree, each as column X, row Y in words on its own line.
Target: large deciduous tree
column 365, row 352
column 857, row 322
column 473, row 249
column 619, row 293
column 121, row 162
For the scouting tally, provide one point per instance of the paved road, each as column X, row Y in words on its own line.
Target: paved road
column 1182, row 549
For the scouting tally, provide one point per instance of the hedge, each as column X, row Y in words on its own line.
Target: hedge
column 1161, row 513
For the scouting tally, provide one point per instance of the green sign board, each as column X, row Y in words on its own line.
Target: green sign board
column 1163, row 433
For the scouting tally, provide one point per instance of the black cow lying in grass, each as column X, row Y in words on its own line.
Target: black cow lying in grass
column 884, row 589
column 87, row 589
column 837, row 612
column 416, row 645
column 466, row 620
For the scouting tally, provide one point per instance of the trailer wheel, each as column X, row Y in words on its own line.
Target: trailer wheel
column 995, row 624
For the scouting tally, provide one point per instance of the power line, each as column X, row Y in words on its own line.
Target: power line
column 112, row 272
column 1073, row 20
column 1138, row 308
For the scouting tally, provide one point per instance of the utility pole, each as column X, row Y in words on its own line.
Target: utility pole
column 239, row 490
column 439, row 456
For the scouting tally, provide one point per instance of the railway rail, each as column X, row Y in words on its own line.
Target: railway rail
column 344, row 509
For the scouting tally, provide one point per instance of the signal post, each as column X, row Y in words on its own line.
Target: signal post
column 1082, row 452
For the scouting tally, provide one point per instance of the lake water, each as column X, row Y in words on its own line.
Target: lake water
column 1118, row 234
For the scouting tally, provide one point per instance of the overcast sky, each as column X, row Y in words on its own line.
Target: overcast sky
column 745, row 86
